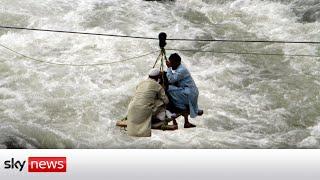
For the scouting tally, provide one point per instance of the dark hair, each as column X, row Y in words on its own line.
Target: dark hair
column 175, row 57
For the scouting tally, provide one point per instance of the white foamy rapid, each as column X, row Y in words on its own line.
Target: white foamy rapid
column 249, row 101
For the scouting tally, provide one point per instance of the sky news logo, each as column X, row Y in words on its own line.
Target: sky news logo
column 38, row 164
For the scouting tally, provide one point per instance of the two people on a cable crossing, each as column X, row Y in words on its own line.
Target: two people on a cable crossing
column 152, row 103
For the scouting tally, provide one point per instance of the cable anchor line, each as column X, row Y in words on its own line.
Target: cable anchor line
column 244, row 53
column 153, row 38
column 69, row 64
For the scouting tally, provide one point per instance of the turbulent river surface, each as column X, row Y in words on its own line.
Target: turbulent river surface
column 250, row 101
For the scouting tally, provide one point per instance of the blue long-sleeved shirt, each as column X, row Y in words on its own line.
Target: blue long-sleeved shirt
column 183, row 90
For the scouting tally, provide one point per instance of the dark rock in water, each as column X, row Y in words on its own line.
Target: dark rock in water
column 13, row 145
column 17, row 142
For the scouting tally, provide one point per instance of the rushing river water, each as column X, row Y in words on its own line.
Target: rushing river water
column 250, row 101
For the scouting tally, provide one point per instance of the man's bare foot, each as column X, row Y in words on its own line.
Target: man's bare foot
column 189, row 125
column 200, row 112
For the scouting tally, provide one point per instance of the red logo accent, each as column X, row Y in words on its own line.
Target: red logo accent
column 47, row 164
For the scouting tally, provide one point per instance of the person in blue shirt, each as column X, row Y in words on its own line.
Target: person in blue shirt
column 183, row 92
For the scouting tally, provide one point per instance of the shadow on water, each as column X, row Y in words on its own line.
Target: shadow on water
column 307, row 11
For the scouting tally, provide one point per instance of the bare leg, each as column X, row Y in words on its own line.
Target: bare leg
column 187, row 124
column 174, row 122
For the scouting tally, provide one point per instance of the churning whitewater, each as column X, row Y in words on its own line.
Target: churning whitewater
column 250, row 101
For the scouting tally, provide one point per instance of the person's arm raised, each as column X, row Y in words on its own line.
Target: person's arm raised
column 163, row 96
column 177, row 76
